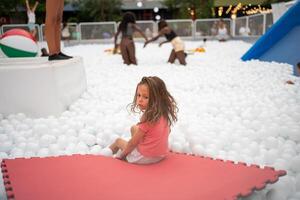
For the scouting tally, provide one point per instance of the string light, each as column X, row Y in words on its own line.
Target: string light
column 255, row 11
column 213, row 11
column 139, row 4
column 192, row 12
column 155, row 9
column 228, row 9
column 220, row 11
column 237, row 8
column 258, row 10
column 245, row 10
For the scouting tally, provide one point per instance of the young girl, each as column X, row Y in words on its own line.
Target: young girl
column 31, row 17
column 149, row 138
column 127, row 27
column 171, row 36
column 222, row 35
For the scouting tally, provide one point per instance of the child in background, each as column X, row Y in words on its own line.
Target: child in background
column 222, row 35
column 171, row 36
column 65, row 33
column 31, row 17
column 149, row 138
column 127, row 27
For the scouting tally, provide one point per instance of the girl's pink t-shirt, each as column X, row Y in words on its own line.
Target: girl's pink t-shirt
column 155, row 141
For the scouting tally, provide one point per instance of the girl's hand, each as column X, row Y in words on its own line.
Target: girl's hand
column 121, row 158
column 115, row 49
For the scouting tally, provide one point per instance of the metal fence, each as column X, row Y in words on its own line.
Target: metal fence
column 208, row 28
column 248, row 26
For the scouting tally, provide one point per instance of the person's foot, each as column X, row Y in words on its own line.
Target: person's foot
column 57, row 57
column 62, row 54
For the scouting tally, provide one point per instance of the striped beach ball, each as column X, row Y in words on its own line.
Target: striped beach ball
column 18, row 43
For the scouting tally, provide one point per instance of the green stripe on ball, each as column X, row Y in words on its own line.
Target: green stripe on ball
column 12, row 52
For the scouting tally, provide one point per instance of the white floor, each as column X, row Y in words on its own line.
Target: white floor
column 229, row 109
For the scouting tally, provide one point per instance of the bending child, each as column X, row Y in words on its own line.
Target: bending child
column 171, row 36
column 127, row 27
column 149, row 138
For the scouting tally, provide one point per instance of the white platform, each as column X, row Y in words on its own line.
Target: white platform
column 40, row 88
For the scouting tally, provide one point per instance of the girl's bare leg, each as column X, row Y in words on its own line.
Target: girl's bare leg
column 124, row 51
column 131, row 51
column 172, row 57
column 54, row 12
column 181, row 57
column 118, row 144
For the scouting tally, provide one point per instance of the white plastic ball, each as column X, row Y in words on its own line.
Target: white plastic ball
column 176, row 146
column 95, row 150
column 82, row 148
column 271, row 143
column 88, row 139
column 275, row 195
column 17, row 152
column 32, row 146
column 29, row 154
column 295, row 165
column 6, row 146
column 106, row 152
column 46, row 140
column 198, row 150
column 3, row 155
column 54, row 149
column 43, row 152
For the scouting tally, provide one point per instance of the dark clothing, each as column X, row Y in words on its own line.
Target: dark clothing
column 170, row 36
column 128, row 32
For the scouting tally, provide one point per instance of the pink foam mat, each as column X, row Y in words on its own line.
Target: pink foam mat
column 178, row 177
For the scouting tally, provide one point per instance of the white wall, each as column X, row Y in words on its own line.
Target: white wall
column 39, row 88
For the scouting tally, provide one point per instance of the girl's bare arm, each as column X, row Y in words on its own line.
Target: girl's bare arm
column 27, row 5
column 160, row 33
column 136, row 28
column 132, row 143
column 116, row 38
column 35, row 6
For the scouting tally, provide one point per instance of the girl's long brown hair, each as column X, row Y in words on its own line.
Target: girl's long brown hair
column 161, row 102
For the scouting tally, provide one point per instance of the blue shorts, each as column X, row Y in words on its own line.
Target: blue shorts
column 31, row 26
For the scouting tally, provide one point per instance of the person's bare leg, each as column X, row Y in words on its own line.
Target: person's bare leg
column 53, row 20
column 181, row 57
column 118, row 144
column 60, row 9
column 131, row 51
column 172, row 57
column 124, row 52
